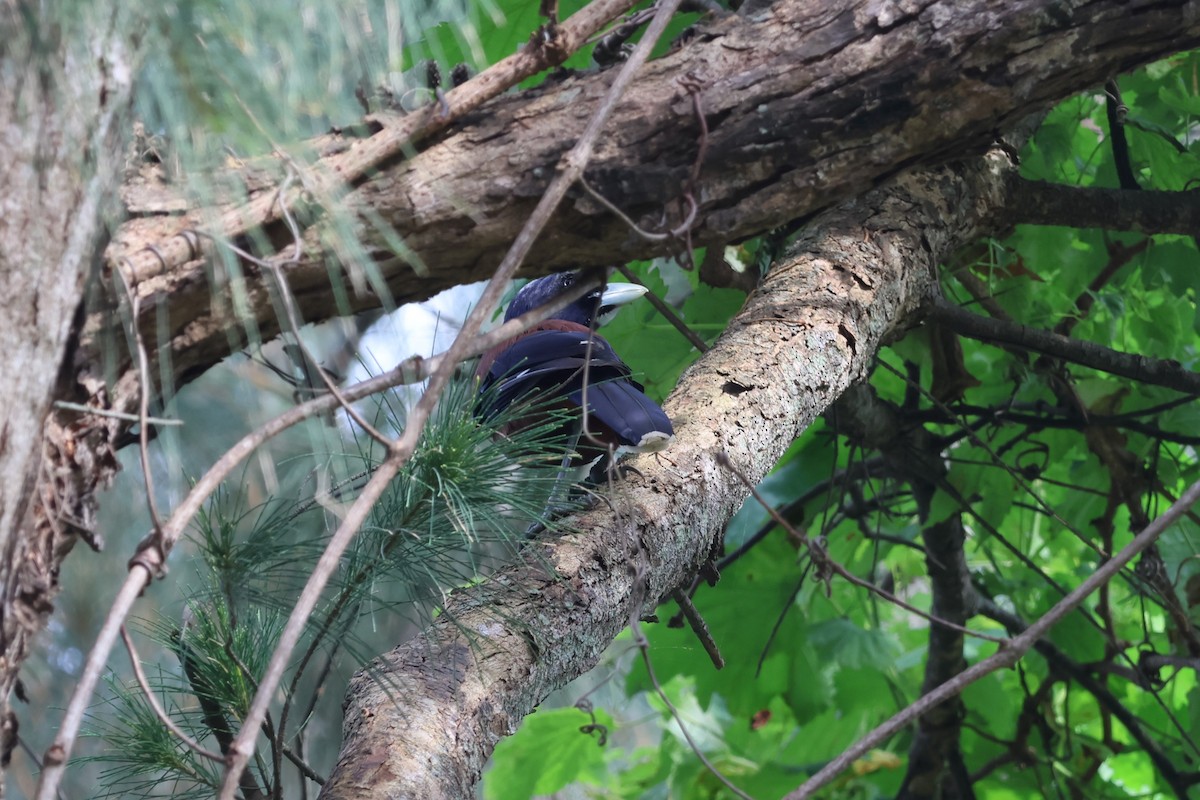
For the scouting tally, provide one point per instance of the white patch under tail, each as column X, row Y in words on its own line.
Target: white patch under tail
column 653, row 442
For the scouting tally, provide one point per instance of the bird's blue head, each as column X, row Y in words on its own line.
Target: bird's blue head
column 592, row 310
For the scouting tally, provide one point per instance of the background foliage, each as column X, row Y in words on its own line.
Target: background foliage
column 814, row 665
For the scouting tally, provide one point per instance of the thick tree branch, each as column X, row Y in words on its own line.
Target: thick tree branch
column 1042, row 203
column 1157, row 371
column 423, row 719
column 806, row 104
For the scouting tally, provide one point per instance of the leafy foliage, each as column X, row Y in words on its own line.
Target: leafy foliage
column 1048, row 466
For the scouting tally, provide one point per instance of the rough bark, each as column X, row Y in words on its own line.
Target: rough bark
column 423, row 720
column 806, row 103
column 64, row 90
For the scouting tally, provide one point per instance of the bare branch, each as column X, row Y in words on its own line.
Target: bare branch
column 159, row 711
column 1042, row 203
column 1157, row 371
column 1009, row 653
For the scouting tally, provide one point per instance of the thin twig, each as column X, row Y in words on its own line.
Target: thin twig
column 305, row 769
column 692, row 85
column 699, row 627
column 32, row 755
column 289, row 308
column 144, row 399
column 826, row 564
column 643, row 645
column 331, row 616
column 1017, row 477
column 104, row 412
column 1008, row 654
column 243, row 747
column 400, row 451
column 159, row 711
column 666, row 311
column 637, row 598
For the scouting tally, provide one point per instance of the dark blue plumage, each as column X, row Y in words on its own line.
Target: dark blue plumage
column 550, row 358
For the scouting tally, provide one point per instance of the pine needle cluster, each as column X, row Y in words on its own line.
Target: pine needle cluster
column 456, row 511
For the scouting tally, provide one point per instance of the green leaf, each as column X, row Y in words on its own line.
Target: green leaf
column 823, row 738
column 1174, row 94
column 760, row 586
column 852, row 646
column 547, row 753
column 806, row 463
column 989, row 703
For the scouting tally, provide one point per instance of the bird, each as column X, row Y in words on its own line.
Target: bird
column 548, row 361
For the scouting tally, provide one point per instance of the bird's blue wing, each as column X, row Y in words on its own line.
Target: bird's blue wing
column 553, row 361
column 637, row 420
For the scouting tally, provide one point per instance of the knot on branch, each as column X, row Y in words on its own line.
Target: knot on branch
column 151, row 555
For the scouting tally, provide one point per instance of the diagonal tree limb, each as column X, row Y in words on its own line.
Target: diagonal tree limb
column 423, row 719
column 401, row 450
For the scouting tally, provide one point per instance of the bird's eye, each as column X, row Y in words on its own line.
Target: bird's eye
column 568, row 280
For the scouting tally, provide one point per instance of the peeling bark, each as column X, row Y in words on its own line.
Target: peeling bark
column 807, row 103
column 63, row 99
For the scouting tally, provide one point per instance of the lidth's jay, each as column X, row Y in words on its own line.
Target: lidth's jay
column 549, row 361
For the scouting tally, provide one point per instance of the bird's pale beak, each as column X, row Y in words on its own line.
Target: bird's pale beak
column 616, row 295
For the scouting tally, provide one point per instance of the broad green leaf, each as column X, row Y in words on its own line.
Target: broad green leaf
column 852, row 646
column 547, row 753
